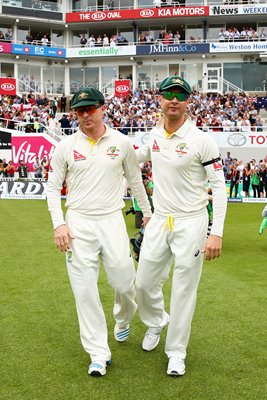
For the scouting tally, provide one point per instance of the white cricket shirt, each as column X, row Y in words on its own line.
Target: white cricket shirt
column 180, row 179
column 93, row 175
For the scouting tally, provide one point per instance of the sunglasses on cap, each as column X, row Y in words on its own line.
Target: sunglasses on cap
column 179, row 96
column 88, row 109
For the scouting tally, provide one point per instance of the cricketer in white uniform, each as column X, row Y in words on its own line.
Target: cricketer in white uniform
column 183, row 159
column 92, row 162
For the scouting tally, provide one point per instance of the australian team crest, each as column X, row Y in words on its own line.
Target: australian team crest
column 113, row 152
column 82, row 95
column 181, row 149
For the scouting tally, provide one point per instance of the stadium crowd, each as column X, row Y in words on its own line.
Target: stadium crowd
column 139, row 111
column 165, row 36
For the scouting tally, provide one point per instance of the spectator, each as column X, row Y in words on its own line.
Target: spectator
column 246, row 179
column 228, row 158
column 105, row 40
column 149, row 38
column 142, row 39
column 259, row 123
column 99, row 41
column 121, row 39
column 54, row 105
column 46, row 167
column 235, row 178
column 65, row 124
column 262, row 34
column 2, row 36
column 157, row 3
column 37, row 168
column 262, row 176
column 132, row 125
column 91, row 41
column 113, row 41
column 243, row 34
column 222, row 35
column 10, row 169
column 255, row 181
column 9, row 36
column 53, row 124
column 44, row 41
column 4, row 167
column 176, row 38
column 83, row 40
column 63, row 102
column 111, row 5
column 23, row 170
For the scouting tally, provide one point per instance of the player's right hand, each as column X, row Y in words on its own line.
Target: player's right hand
column 62, row 234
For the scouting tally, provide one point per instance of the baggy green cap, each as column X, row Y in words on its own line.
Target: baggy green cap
column 87, row 96
column 175, row 81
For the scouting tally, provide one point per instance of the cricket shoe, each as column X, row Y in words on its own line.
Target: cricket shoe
column 98, row 368
column 176, row 366
column 121, row 333
column 152, row 337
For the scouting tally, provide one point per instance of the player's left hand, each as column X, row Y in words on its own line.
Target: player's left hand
column 146, row 220
column 213, row 247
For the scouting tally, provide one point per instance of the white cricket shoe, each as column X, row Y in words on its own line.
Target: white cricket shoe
column 176, row 366
column 121, row 333
column 152, row 337
column 98, row 368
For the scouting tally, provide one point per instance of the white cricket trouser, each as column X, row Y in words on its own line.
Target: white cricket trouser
column 160, row 248
column 106, row 238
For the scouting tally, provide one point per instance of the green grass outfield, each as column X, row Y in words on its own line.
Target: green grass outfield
column 41, row 357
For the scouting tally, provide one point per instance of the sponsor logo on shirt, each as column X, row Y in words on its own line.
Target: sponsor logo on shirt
column 217, row 166
column 181, row 149
column 155, row 146
column 113, row 152
column 78, row 156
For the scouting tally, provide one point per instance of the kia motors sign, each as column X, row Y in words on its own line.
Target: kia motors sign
column 122, row 87
column 133, row 14
column 8, row 86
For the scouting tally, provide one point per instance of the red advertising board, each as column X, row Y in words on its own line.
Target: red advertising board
column 122, row 87
column 27, row 147
column 5, row 47
column 143, row 13
column 8, row 86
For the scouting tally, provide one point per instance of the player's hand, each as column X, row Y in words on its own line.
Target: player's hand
column 213, row 247
column 146, row 220
column 62, row 234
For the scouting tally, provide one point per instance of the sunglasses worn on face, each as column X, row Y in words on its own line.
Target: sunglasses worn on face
column 179, row 96
column 88, row 109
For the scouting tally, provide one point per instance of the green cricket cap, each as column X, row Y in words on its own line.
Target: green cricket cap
column 87, row 96
column 175, row 81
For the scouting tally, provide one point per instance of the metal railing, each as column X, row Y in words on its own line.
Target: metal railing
column 30, row 127
column 131, row 131
column 41, row 87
